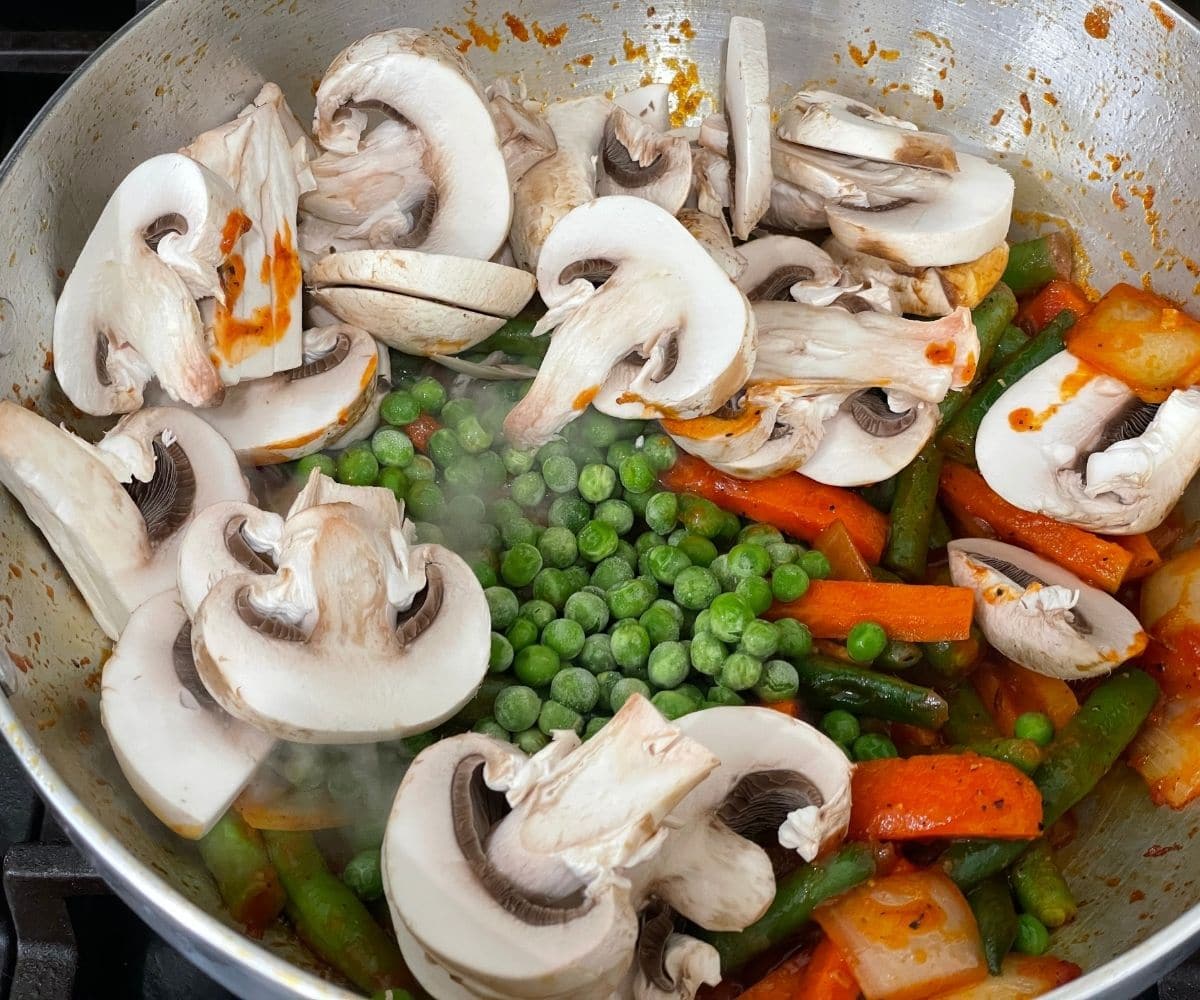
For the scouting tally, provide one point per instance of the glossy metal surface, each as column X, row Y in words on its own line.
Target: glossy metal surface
column 1099, row 130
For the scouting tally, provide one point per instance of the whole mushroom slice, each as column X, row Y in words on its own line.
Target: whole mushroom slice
column 504, row 873
column 1079, row 446
column 748, row 110
column 420, row 303
column 552, row 188
column 843, row 351
column 843, row 125
column 186, row 759
column 712, row 233
column 775, row 265
column 649, row 104
column 412, row 76
column 638, row 160
column 926, row 291
column 355, row 638
column 114, row 513
column 127, row 313
column 1042, row 616
column 255, row 327
column 665, row 300
column 299, row 412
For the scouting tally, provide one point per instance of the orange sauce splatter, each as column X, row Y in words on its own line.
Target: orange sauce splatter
column 1027, row 125
column 712, row 427
column 860, row 57
column 941, row 352
column 688, row 32
column 236, row 339
column 485, row 39
column 1118, row 199
column 1096, row 22
column 1024, row 102
column 516, row 27
column 584, row 399
column 236, row 226
column 938, row 100
column 995, row 120
column 939, row 41
column 1129, row 259
column 633, row 52
column 889, row 55
column 1025, row 419
column 1165, row 19
column 585, row 60
column 463, row 43
column 20, row 662
column 550, row 39
column 685, row 89
column 1050, row 99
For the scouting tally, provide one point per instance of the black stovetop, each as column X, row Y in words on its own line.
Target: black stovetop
column 63, row 935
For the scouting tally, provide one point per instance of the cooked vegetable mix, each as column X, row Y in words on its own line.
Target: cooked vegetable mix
column 652, row 597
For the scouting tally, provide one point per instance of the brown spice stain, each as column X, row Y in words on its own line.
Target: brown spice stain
column 20, row 662
column 1118, row 199
column 1129, row 260
column 485, row 39
column 862, row 58
column 463, row 43
column 939, row 101
column 1165, row 19
column 1136, row 896
column 633, row 52
column 92, row 681
column 995, row 119
column 1023, row 100
column 684, row 88
column 1096, row 22
column 550, row 39
column 1027, row 125
column 938, row 41
column 686, row 29
column 48, row 362
column 1159, row 850
column 585, row 60
column 516, row 27
column 890, row 55
column 14, row 570
column 1050, row 99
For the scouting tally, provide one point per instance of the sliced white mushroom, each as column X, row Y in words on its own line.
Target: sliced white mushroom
column 225, row 539
column 513, row 886
column 368, row 421
column 794, row 209
column 665, row 299
column 357, row 637
column 674, row 966
column 415, row 77
column 790, row 209
column 637, row 159
column 127, row 313
column 748, row 110
column 712, row 188
column 255, row 330
column 1077, row 445
column 649, row 104
column 843, row 125
column 1042, row 616
column 559, row 183
column 831, row 350
column 420, row 303
column 114, row 512
column 526, row 138
column 186, row 759
column 712, row 233
column 777, row 265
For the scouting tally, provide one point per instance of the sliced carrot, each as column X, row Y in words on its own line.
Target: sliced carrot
column 914, row 739
column 824, row 976
column 421, row 430
column 1037, row 312
column 1093, row 559
column 789, row 706
column 1008, row 691
column 942, row 795
column 845, row 561
column 793, row 503
column 834, row 650
column 1145, row 556
column 911, row 612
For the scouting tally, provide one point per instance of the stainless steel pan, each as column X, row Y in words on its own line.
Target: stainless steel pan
column 1100, row 131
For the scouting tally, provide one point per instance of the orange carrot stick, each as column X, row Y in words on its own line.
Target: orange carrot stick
column 1008, row 690
column 1091, row 558
column 826, row 976
column 845, row 561
column 792, row 503
column 421, row 430
column 942, row 795
column 789, row 706
column 914, row 613
column 1145, row 556
column 1057, row 295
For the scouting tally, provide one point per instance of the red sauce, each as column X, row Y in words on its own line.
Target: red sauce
column 236, row 338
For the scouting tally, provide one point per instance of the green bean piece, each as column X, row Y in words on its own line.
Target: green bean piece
column 957, row 439
column 1040, row 887
column 1012, row 342
column 1033, row 263
column 940, row 534
column 898, row 655
column 990, row 317
column 796, row 896
column 907, row 550
column 881, row 495
column 953, row 658
column 234, row 853
column 515, row 338
column 1032, row 936
column 1082, row 753
column 996, row 917
column 330, row 919
column 1024, row 755
column 969, row 720
column 830, row 684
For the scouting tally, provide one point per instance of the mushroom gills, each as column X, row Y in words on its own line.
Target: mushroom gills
column 239, row 546
column 758, row 804
column 1131, row 423
column 656, row 923
column 167, row 499
column 185, row 668
column 777, row 286
column 872, row 412
column 1023, row 578
column 272, row 626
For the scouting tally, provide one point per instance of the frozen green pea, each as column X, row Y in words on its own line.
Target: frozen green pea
column 320, row 461
column 473, row 436
column 539, row 611
column 815, row 564
column 576, row 688
column 395, row 480
column 795, row 640
column 421, row 469
column 444, row 447
column 610, row 572
column 516, row 708
column 560, row 473
column 597, row 653
column 626, row 551
column 597, row 482
column 568, row 511
column 528, row 489
column 566, row 638
column 463, row 475
column 501, row 655
column 707, row 653
column 517, row 461
column 700, row 551
column 728, row 617
column 491, row 469
column 520, row 531
column 739, row 672
column 665, row 563
column 646, row 541
column 521, row 634
column 392, row 447
column 747, row 559
column 597, row 540
column 357, row 467
column 575, row 578
column 672, row 705
column 429, row 534
column 485, row 573
column 701, row 517
column 637, row 475
column 779, row 681
column 695, row 588
column 594, row 725
column 660, row 624
column 630, row 645
column 756, row 592
column 531, row 740
column 536, row 665
column 719, row 695
column 399, row 408
column 637, row 502
column 520, row 565
column 558, row 548
column 552, row 448
column 760, row 534
column 552, row 586
column 789, row 582
column 617, row 513
column 631, row 598
column 599, row 429
column 590, row 611
column 617, row 452
column 624, row 689
column 429, row 393
column 782, row 553
column 455, row 411
column 488, row 726
column 555, row 716
column 760, row 639
column 363, row 873
column 425, row 500
column 660, row 451
column 668, row 665
column 662, row 512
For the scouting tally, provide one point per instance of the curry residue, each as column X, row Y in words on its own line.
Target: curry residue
column 860, row 57
column 516, row 27
column 238, row 338
column 485, row 39
column 1096, row 21
column 633, row 52
column 236, row 226
column 550, row 39
column 582, row 401
column 941, row 352
column 712, row 427
column 1165, row 19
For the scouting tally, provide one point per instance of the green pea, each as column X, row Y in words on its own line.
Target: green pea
column 364, row 875
column 421, row 469
column 789, row 582
column 865, row 641
column 590, row 611
column 795, row 640
column 566, row 638
column 531, row 740
column 597, row 653
column 783, row 553
column 444, row 447
column 660, row 452
column 576, row 688
column 873, row 746
column 1034, row 726
column 551, row 448
column 631, row 598
column 665, row 563
column 320, row 460
column 455, row 411
column 840, row 726
column 756, row 592
column 528, row 489
column 953, row 657
column 739, row 672
column 430, row 394
column 719, row 695
column 701, row 517
column 517, row 707
column 463, row 475
column 617, row 452
column 617, row 513
column 597, row 540
column 729, row 527
column 697, row 548
column 503, row 606
column 582, row 453
column 607, row 679
column 414, row 744
column 700, row 622
column 668, row 665
column 659, row 624
column 395, row 480
column 425, row 500
column 517, row 461
column 779, row 682
column 560, row 473
column 485, row 573
column 598, row 429
column 473, row 436
column 672, row 705
column 760, row 534
column 357, row 467
column 520, row 564
column 624, row 689
column 815, row 564
column 662, row 512
column 539, row 611
column 536, row 665
column 1032, row 936
column 558, row 548
column 466, row 510
column 707, row 653
column 729, row 615
column 637, row 475
column 505, row 510
column 570, row 512
column 597, row 482
column 630, row 645
column 556, row 716
column 490, row 727
column 720, row 569
column 626, row 551
column 760, row 639
column 695, row 588
column 610, row 572
column 594, row 725
column 429, row 534
column 552, row 587
column 520, row 531
column 747, row 559
column 898, row 655
column 575, row 578
column 500, row 657
column 522, row 634
column 399, row 408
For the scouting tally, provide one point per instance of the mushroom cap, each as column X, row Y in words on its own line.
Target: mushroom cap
column 850, row 454
column 127, row 313
column 956, row 222
column 117, row 536
column 774, row 264
column 1042, row 616
column 418, row 78
column 356, row 638
column 667, row 299
column 299, row 412
column 186, row 759
column 748, row 109
column 712, row 233
column 225, row 539
column 649, row 104
column 368, row 423
column 561, row 182
column 638, row 160
column 843, row 125
column 1079, row 446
